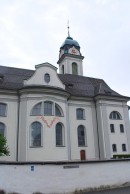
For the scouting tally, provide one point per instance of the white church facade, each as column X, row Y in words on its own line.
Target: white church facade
column 46, row 116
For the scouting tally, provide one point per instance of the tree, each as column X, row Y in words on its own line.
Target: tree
column 4, row 150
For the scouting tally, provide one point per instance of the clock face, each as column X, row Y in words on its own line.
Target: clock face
column 74, row 51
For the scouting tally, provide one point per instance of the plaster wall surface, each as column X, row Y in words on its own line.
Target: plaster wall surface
column 60, row 179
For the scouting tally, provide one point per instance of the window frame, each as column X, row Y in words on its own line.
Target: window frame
column 114, row 147
column 74, row 68
column 41, row 136
column 5, row 110
column 47, row 77
column 80, row 137
column 4, row 129
column 112, row 128
column 78, row 115
column 115, row 115
column 35, row 114
column 122, row 128
column 62, row 140
column 48, row 109
column 54, row 105
column 124, row 149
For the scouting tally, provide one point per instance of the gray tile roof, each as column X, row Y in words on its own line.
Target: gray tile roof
column 86, row 86
column 12, row 78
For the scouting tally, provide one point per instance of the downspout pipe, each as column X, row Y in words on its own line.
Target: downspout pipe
column 18, row 115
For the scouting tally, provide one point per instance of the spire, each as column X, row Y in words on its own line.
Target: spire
column 68, row 28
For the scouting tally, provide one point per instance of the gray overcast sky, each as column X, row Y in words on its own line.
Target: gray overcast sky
column 32, row 31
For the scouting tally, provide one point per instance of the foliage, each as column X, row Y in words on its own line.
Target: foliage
column 4, row 150
column 118, row 156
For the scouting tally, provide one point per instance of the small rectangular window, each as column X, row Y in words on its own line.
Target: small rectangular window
column 121, row 128
column 114, row 148
column 80, row 113
column 124, row 147
column 112, row 128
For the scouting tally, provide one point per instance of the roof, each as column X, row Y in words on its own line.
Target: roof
column 69, row 41
column 12, row 79
column 86, row 86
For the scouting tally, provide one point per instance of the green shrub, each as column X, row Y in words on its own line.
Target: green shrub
column 121, row 156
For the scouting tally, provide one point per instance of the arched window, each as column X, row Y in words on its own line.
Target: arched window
column 37, row 109
column 115, row 115
column 81, row 136
column 3, row 109
column 47, row 108
column 80, row 113
column 59, row 135
column 58, row 110
column 2, row 128
column 36, row 130
column 74, row 69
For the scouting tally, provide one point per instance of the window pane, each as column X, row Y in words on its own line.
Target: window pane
column 36, row 134
column 115, row 115
column 80, row 113
column 2, row 109
column 47, row 78
column 121, row 128
column 37, row 109
column 123, row 147
column 59, row 135
column 112, row 128
column 47, row 108
column 2, row 128
column 81, row 136
column 74, row 68
column 57, row 110
column 114, row 147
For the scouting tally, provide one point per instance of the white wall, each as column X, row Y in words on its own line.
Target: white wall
column 57, row 179
column 11, row 123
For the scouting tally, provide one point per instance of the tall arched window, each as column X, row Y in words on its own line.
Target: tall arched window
column 3, row 109
column 74, row 68
column 37, row 109
column 81, row 136
column 115, row 115
column 36, row 130
column 59, row 135
column 2, row 128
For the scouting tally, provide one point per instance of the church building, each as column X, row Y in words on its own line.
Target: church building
column 65, row 116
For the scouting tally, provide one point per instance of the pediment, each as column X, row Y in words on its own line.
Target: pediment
column 46, row 75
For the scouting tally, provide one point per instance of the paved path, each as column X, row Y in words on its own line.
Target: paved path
column 125, row 190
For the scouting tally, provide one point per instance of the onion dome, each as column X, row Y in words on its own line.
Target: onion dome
column 69, row 42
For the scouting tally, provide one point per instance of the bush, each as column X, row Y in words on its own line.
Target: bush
column 119, row 156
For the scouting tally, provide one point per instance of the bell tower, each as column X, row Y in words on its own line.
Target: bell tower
column 70, row 57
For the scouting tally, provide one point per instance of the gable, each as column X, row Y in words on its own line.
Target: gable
column 46, row 75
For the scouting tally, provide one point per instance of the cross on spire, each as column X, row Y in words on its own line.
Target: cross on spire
column 68, row 28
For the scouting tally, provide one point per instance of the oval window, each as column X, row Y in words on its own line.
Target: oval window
column 47, row 78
